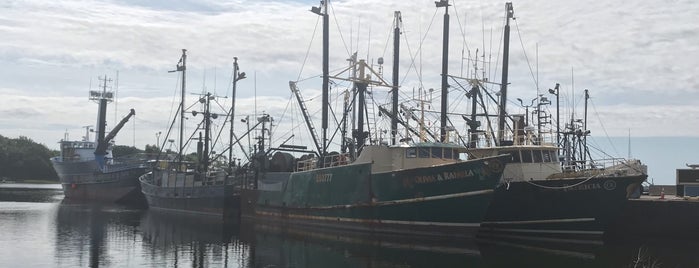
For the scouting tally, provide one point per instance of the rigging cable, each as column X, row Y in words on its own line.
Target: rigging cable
column 497, row 62
column 413, row 56
column 338, row 29
column 283, row 114
column 531, row 71
column 594, row 108
column 308, row 51
column 388, row 38
column 463, row 33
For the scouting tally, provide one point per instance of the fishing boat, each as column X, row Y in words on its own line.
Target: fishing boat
column 197, row 184
column 87, row 169
column 416, row 189
column 551, row 190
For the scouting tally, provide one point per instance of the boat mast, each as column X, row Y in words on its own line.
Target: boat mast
column 585, row 132
column 505, row 61
column 102, row 116
column 236, row 76
column 102, row 97
column 361, row 94
column 207, row 131
column 555, row 91
column 323, row 11
column 396, row 53
column 473, row 123
column 181, row 67
column 345, row 106
column 101, row 149
column 445, row 69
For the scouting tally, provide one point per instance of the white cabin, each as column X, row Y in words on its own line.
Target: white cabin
column 528, row 162
column 394, row 158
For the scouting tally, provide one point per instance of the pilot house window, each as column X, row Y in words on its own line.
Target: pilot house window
column 547, row 156
column 537, row 156
column 437, row 152
column 515, row 157
column 410, row 153
column 423, row 152
column 526, row 156
column 448, row 153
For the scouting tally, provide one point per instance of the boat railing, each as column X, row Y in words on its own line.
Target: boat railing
column 332, row 160
column 171, row 165
column 120, row 165
column 109, row 175
column 75, row 158
column 528, row 136
column 182, row 190
column 605, row 167
column 171, row 177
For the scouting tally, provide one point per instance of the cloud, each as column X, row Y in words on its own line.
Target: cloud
column 637, row 60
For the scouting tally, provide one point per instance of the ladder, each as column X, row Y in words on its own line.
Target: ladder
column 304, row 110
column 371, row 118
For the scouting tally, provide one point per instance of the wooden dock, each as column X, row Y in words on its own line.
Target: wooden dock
column 653, row 217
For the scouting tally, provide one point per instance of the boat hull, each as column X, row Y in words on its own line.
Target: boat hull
column 561, row 210
column 213, row 200
column 447, row 201
column 83, row 181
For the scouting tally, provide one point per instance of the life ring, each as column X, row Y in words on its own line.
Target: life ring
column 493, row 166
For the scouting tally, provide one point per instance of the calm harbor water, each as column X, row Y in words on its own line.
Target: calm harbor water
column 39, row 229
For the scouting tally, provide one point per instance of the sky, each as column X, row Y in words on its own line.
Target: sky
column 637, row 58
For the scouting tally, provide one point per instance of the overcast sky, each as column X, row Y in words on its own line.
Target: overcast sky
column 638, row 58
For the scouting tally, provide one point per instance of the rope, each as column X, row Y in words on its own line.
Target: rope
column 556, row 188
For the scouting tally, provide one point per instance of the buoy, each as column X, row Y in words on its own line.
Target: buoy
column 662, row 193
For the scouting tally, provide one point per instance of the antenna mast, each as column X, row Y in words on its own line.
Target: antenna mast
column 102, row 97
column 505, row 61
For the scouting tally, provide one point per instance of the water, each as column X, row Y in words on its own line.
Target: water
column 38, row 229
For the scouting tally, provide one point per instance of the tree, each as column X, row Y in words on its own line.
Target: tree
column 22, row 158
column 123, row 150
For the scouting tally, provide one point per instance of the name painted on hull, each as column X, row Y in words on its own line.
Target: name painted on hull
column 444, row 176
column 608, row 185
column 327, row 177
column 584, row 187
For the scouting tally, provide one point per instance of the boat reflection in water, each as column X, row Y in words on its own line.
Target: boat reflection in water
column 283, row 246
column 202, row 241
column 93, row 235
column 271, row 245
column 110, row 235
